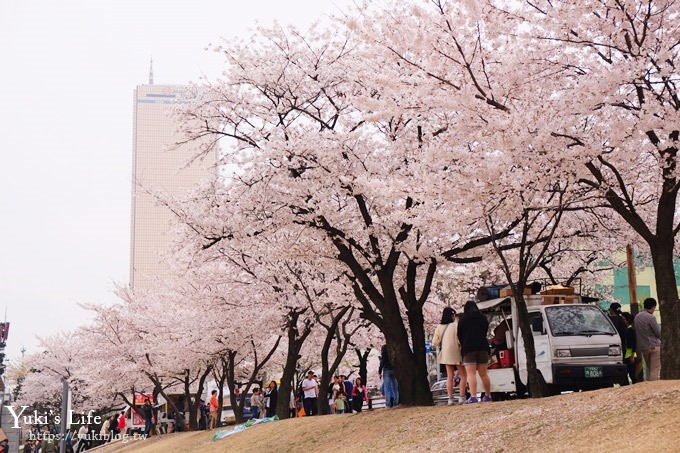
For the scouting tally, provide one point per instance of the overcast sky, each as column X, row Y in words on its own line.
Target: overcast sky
column 69, row 68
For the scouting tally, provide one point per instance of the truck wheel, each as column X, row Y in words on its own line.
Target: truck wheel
column 499, row 396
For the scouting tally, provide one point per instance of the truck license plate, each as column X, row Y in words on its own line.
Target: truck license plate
column 594, row 371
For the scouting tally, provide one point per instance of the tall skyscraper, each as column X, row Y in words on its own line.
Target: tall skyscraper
column 158, row 165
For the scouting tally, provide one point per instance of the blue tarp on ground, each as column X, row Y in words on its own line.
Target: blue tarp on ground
column 222, row 433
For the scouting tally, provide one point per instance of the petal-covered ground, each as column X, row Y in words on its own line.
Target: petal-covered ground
column 639, row 418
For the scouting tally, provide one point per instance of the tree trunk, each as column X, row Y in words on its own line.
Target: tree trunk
column 328, row 369
column 229, row 375
column 667, row 292
column 295, row 341
column 534, row 381
column 413, row 386
column 421, row 388
column 286, row 385
column 363, row 364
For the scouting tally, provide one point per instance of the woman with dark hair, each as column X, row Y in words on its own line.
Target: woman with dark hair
column 446, row 337
column 474, row 347
column 359, row 395
column 271, row 397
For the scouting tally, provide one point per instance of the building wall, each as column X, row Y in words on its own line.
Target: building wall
column 645, row 285
column 158, row 166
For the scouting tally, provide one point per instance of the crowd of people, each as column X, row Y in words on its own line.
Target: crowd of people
column 344, row 396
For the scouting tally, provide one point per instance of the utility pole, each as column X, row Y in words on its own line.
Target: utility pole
column 65, row 412
column 632, row 283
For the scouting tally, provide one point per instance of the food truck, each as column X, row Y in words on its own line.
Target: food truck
column 576, row 344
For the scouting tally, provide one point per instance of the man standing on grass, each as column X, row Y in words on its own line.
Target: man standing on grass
column 386, row 372
column 648, row 339
column 214, row 409
column 310, row 387
column 147, row 415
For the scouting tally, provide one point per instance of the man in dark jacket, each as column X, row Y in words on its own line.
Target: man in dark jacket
column 619, row 323
column 147, row 415
column 474, row 347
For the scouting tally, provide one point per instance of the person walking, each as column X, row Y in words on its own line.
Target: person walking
column 648, row 339
column 359, row 395
column 310, row 389
column 386, row 372
column 271, row 397
column 446, row 337
column 474, row 347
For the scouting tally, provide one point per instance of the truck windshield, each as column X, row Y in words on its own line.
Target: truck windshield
column 578, row 320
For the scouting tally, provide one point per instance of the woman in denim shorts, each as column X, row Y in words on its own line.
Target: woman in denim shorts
column 474, row 347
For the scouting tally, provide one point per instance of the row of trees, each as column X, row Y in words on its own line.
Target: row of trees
column 411, row 144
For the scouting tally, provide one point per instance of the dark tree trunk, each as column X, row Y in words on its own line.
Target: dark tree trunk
column 295, row 341
column 192, row 401
column 416, row 322
column 382, row 308
column 413, row 385
column 193, row 424
column 229, row 375
column 667, row 292
column 342, row 339
column 536, row 388
column 379, row 299
column 363, row 364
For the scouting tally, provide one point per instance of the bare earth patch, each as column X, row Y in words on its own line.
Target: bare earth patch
column 639, row 418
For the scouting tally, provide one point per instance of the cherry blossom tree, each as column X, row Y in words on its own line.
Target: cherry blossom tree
column 586, row 88
column 320, row 148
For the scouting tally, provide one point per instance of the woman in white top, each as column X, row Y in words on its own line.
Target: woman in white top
column 446, row 337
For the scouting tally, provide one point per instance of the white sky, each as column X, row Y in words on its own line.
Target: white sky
column 69, row 68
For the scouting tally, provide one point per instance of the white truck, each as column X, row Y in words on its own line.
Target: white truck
column 576, row 344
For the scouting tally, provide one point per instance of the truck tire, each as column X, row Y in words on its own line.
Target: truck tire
column 499, row 396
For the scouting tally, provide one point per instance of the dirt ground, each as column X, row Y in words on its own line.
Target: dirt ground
column 639, row 418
